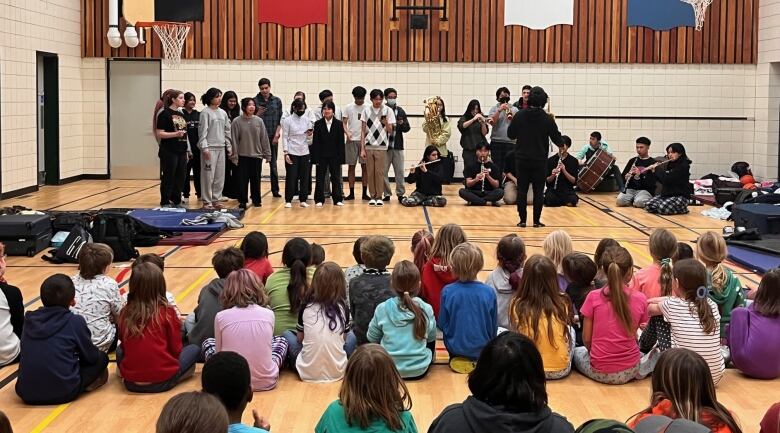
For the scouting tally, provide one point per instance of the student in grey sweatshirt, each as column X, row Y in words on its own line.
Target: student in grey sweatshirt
column 511, row 256
column 250, row 141
column 215, row 146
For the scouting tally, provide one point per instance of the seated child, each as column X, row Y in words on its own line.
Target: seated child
column 372, row 398
column 754, row 334
column 246, row 326
column 510, row 254
column 654, row 281
column 317, row 255
column 97, row 295
column 684, row 251
column 422, row 240
column 580, row 271
column 288, row 287
column 404, row 324
column 11, row 317
column 468, row 316
column 556, row 246
column 255, row 249
column 725, row 288
column 226, row 376
column 200, row 324
column 604, row 244
column 158, row 261
column 192, row 412
column 58, row 361
column 358, row 268
column 436, row 272
column 151, row 357
column 373, row 287
column 561, row 177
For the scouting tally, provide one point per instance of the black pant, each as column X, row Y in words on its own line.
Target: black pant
column 298, row 178
column 478, row 197
column 249, row 173
column 498, row 152
column 274, row 170
column 230, row 189
column 193, row 165
column 448, row 168
column 553, row 198
column 533, row 173
column 173, row 166
column 91, row 372
column 469, row 159
column 332, row 166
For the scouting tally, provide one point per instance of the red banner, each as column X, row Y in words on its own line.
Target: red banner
column 292, row 13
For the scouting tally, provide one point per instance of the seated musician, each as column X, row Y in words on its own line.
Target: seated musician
column 594, row 144
column 640, row 182
column 561, row 177
column 510, row 179
column 427, row 175
column 483, row 180
column 676, row 189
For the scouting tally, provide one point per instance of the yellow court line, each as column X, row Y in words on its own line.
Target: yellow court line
column 644, row 254
column 268, row 217
column 581, row 216
column 51, row 417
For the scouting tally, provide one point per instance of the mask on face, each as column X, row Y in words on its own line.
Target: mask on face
column 504, row 100
column 391, row 102
column 300, row 113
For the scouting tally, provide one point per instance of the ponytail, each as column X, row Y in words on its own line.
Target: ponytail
column 692, row 280
column 405, row 280
column 617, row 263
column 706, row 318
column 666, row 277
column 421, row 252
column 298, row 285
column 718, row 278
column 420, row 321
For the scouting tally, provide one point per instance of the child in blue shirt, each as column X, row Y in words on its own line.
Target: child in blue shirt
column 468, row 316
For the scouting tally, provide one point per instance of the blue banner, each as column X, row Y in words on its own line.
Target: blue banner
column 660, row 14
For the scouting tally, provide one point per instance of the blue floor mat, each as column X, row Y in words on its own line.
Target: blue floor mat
column 755, row 260
column 171, row 221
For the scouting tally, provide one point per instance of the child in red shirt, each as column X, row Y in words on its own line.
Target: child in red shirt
column 437, row 272
column 255, row 249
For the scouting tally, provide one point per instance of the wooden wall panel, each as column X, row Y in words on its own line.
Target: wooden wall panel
column 359, row 31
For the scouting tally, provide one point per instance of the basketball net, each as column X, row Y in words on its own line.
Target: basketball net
column 172, row 36
column 700, row 10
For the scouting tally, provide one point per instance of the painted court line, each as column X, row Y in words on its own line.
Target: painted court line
column 51, row 417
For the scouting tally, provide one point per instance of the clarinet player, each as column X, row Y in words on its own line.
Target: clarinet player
column 483, row 180
column 561, row 177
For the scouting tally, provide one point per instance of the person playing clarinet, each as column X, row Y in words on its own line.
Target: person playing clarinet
column 483, row 180
column 561, row 177
column 428, row 176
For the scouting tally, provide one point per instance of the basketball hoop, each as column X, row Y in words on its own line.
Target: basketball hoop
column 699, row 10
column 172, row 36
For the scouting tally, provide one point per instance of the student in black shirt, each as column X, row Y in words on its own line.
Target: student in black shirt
column 561, row 177
column 192, row 116
column 483, row 180
column 174, row 149
column 327, row 153
column 428, row 179
column 640, row 183
column 676, row 188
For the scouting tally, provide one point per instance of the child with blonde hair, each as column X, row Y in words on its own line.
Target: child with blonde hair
column 724, row 287
column 505, row 278
column 557, row 245
column 655, row 281
column 437, row 271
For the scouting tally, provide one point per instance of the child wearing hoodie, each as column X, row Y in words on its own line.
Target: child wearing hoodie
column 511, row 256
column 724, row 286
column 200, row 324
column 404, row 325
column 508, row 393
column 373, row 287
column 58, row 361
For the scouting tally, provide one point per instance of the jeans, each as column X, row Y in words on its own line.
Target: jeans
column 173, row 166
column 187, row 358
column 298, row 178
column 249, row 174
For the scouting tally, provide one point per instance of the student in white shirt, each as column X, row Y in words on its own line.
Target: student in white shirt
column 297, row 130
column 353, row 125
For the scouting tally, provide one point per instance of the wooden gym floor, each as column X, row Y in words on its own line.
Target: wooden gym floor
column 295, row 406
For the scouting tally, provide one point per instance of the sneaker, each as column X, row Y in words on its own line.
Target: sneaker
column 318, row 204
column 386, row 198
column 380, row 203
column 401, row 199
column 462, row 365
column 185, row 199
column 224, row 199
column 371, row 202
column 304, row 204
column 339, row 204
column 258, row 204
column 288, row 205
column 276, row 194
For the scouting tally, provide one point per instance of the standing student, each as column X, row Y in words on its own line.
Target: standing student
column 378, row 121
column 11, row 317
column 58, row 361
column 640, row 183
column 724, row 287
column 440, row 141
column 508, row 390
column 556, row 246
column 297, row 129
column 372, row 287
column 754, row 332
column 483, row 180
column 327, row 152
column 159, row 107
column 683, row 389
column 327, row 96
column 174, row 149
column 437, row 271
column 561, row 177
column 246, row 326
column 192, row 412
column 353, row 126
column 580, row 272
column 404, row 324
column 428, row 179
column 500, row 117
column 151, row 358
column 533, row 128
column 540, row 311
column 288, row 287
column 250, row 141
column 322, row 339
column 692, row 317
column 522, row 103
column 473, row 127
column 255, row 249
column 230, row 105
column 395, row 149
column 504, row 279
column 192, row 116
column 674, row 176
column 468, row 316
column 373, row 397
column 269, row 108
column 215, row 146
column 611, row 317
column 97, row 295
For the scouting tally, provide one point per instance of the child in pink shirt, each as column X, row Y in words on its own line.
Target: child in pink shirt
column 246, row 326
column 655, row 281
column 611, row 318
column 255, row 249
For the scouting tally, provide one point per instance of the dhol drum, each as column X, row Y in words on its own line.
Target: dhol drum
column 594, row 170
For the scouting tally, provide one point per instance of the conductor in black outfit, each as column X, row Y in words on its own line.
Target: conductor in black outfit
column 533, row 128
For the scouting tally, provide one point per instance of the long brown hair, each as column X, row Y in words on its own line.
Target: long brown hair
column 447, row 238
column 405, row 280
column 242, row 289
column 510, row 253
column 767, row 302
column 683, row 377
column 329, row 291
column 422, row 240
column 145, row 298
column 539, row 295
column 602, row 247
column 663, row 248
column 711, row 250
column 373, row 389
column 192, row 412
column 296, row 256
column 692, row 281
column 617, row 265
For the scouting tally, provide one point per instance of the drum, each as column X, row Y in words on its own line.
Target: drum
column 594, row 170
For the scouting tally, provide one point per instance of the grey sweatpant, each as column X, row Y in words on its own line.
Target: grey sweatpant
column 396, row 159
column 212, row 175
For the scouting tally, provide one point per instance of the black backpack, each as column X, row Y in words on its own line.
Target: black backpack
column 69, row 251
column 117, row 230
